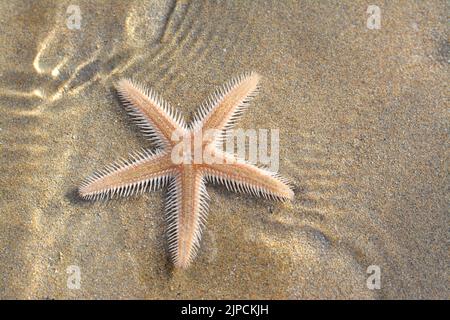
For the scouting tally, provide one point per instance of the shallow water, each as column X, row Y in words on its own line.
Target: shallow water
column 361, row 115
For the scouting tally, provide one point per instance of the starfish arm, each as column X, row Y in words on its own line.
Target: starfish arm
column 240, row 176
column 145, row 171
column 223, row 109
column 154, row 116
column 186, row 209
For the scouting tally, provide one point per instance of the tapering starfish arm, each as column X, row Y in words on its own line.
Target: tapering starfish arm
column 145, row 171
column 155, row 117
column 238, row 175
column 187, row 206
column 224, row 108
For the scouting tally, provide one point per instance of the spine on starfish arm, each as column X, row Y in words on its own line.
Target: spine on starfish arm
column 232, row 99
column 242, row 176
column 145, row 170
column 282, row 192
column 155, row 117
column 186, row 212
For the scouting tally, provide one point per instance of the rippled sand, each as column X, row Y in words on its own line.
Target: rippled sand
column 363, row 125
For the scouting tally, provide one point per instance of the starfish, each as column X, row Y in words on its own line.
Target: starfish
column 176, row 167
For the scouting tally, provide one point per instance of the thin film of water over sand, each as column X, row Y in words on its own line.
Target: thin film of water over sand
column 363, row 138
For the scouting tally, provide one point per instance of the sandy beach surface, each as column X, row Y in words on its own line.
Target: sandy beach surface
column 363, row 120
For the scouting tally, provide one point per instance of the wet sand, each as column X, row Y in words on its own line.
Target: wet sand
column 363, row 120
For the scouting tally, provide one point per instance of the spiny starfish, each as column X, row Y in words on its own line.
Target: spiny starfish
column 187, row 201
